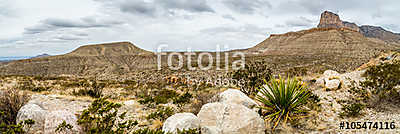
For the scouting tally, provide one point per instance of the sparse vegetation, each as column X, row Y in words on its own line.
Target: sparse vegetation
column 282, row 99
column 382, row 79
column 93, row 89
column 11, row 101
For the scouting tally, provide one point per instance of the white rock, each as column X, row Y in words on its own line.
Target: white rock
column 181, row 121
column 34, row 112
column 330, row 73
column 237, row 97
column 320, row 82
column 55, row 118
column 332, row 84
column 231, row 118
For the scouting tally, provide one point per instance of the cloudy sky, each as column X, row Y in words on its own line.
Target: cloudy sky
column 32, row 27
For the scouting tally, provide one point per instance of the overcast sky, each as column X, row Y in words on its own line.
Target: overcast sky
column 32, row 27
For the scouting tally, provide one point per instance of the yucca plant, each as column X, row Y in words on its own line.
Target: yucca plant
column 282, row 99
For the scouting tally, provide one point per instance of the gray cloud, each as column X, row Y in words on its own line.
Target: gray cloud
column 52, row 24
column 246, row 6
column 299, row 22
column 228, row 16
column 188, row 5
column 138, row 7
column 160, row 7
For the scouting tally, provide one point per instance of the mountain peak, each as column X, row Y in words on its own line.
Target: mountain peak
column 332, row 20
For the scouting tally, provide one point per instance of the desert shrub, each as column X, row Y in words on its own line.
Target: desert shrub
column 161, row 114
column 182, row 99
column 102, row 117
column 16, row 128
column 158, row 97
column 383, row 78
column 148, row 131
column 352, row 110
column 94, row 89
column 253, row 75
column 63, row 127
column 282, row 99
column 11, row 101
column 189, row 131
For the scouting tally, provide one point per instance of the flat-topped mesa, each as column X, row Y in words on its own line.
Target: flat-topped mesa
column 109, row 49
column 332, row 20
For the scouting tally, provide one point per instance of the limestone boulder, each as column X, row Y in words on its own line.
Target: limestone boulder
column 230, row 118
column 236, row 97
column 181, row 121
column 34, row 112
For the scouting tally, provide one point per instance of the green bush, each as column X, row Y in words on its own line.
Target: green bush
column 158, row 97
column 352, row 110
column 282, row 99
column 254, row 74
column 102, row 118
column 64, row 127
column 16, row 128
column 161, row 114
column 182, row 99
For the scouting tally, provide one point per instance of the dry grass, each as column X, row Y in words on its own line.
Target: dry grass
column 11, row 101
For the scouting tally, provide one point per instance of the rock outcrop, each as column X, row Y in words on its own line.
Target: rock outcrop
column 181, row 121
column 332, row 20
column 230, row 118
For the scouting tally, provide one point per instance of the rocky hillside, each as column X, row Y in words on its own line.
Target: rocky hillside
column 319, row 49
column 108, row 58
column 332, row 20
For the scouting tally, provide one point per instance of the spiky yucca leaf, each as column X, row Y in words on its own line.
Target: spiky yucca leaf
column 282, row 98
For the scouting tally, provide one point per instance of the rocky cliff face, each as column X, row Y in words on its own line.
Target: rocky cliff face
column 332, row 20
